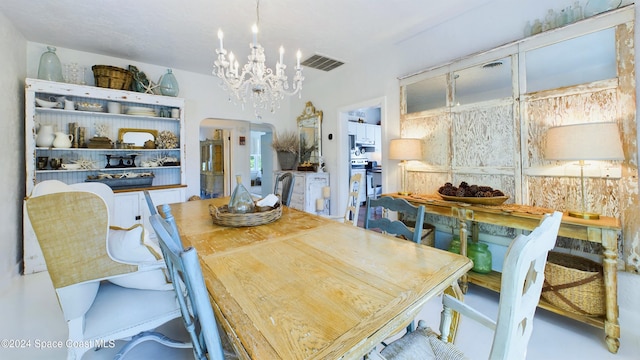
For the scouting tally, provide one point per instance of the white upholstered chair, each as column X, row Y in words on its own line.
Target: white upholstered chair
column 522, row 279
column 72, row 228
column 186, row 275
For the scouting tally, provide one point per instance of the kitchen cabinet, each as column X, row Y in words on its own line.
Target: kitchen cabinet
column 141, row 114
column 352, row 128
column 366, row 133
column 307, row 188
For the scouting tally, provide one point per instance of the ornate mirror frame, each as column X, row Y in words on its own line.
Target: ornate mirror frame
column 310, row 132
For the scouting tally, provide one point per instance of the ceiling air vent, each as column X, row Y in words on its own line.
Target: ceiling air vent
column 321, row 63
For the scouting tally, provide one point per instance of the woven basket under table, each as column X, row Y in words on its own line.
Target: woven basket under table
column 574, row 284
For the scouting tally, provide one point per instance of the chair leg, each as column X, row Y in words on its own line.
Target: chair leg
column 150, row 335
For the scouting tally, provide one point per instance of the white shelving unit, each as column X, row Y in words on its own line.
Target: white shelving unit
column 168, row 183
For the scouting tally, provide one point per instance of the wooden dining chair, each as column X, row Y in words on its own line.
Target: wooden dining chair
column 353, row 205
column 186, row 274
column 395, row 227
column 284, row 187
column 522, row 280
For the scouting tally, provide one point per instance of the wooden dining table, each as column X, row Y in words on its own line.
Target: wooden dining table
column 307, row 287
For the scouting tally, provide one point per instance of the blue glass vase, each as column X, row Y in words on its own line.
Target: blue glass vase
column 169, row 84
column 50, row 67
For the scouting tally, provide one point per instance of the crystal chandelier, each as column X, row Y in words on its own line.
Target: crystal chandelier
column 255, row 80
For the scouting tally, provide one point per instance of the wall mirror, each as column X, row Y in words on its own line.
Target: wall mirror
column 310, row 132
column 137, row 137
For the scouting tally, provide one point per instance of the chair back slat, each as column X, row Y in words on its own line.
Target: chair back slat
column 147, row 197
column 284, row 187
column 522, row 280
column 186, row 274
column 353, row 204
column 395, row 227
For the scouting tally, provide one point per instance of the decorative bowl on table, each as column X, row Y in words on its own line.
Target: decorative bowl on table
column 263, row 215
column 472, row 194
column 494, row 200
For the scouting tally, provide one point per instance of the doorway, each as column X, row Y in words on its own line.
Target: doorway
column 370, row 114
column 261, row 160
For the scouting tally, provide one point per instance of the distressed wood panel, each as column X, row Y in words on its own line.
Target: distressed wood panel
column 481, row 144
column 434, row 128
column 483, row 137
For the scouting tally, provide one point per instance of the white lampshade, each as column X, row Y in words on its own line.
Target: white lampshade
column 590, row 141
column 405, row 149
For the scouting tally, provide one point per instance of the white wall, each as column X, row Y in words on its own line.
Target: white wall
column 496, row 23
column 12, row 63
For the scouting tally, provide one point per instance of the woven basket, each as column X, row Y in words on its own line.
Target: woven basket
column 112, row 77
column 574, row 284
column 221, row 216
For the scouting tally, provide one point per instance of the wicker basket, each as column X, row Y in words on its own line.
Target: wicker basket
column 221, row 216
column 574, row 284
column 112, row 77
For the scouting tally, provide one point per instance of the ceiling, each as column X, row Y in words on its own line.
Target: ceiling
column 183, row 34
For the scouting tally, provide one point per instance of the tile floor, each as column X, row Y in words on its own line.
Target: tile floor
column 30, row 312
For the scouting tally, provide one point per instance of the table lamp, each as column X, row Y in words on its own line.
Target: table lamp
column 590, row 141
column 403, row 150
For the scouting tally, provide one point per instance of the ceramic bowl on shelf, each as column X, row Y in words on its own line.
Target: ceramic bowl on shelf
column 86, row 106
column 71, row 166
column 47, row 104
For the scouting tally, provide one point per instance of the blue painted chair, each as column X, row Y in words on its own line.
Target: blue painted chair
column 284, row 187
column 395, row 227
column 185, row 272
column 152, row 208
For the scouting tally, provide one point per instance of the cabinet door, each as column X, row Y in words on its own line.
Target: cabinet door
column 314, row 186
column 127, row 209
column 371, row 133
column 352, row 128
column 377, row 137
column 361, row 133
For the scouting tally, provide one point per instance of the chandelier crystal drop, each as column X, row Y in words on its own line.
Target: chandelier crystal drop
column 255, row 80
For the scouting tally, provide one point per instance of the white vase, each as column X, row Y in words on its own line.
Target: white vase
column 62, row 140
column 45, row 136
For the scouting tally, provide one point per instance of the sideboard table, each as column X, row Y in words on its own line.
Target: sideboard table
column 604, row 231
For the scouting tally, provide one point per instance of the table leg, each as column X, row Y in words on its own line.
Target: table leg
column 460, row 214
column 449, row 322
column 610, row 265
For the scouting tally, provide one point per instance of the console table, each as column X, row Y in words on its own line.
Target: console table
column 604, row 231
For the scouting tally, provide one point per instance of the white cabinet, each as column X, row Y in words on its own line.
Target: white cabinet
column 352, row 128
column 307, row 188
column 142, row 114
column 366, row 133
column 131, row 207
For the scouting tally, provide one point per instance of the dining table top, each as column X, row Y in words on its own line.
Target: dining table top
column 307, row 287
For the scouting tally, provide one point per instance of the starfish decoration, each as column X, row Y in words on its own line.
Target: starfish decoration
column 149, row 88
